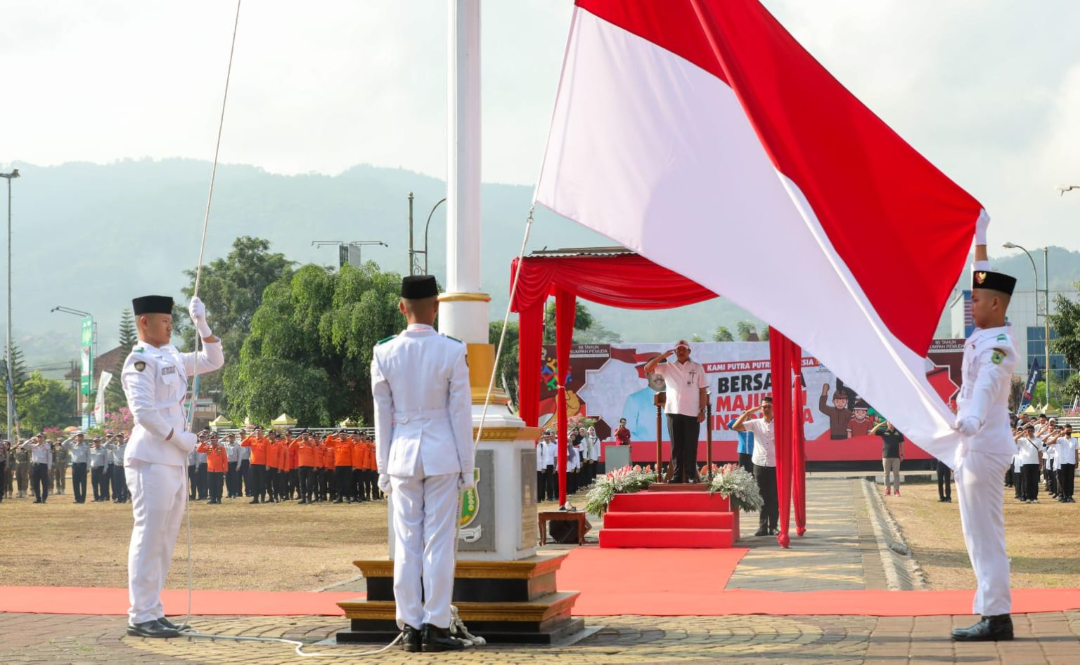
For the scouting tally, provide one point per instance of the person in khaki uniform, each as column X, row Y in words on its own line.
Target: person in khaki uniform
column 60, row 468
column 22, row 471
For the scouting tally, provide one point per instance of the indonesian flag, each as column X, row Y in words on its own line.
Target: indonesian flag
column 700, row 134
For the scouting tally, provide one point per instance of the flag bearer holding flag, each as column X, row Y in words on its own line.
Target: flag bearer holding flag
column 986, row 447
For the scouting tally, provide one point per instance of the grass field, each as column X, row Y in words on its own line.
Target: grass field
column 1043, row 540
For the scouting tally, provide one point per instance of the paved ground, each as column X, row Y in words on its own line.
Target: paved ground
column 840, row 551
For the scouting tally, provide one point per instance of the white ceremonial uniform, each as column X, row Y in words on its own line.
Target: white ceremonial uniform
column 982, row 459
column 155, row 383
column 424, row 442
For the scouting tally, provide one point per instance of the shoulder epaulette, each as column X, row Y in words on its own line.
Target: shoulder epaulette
column 1003, row 338
column 453, row 338
column 137, row 349
column 385, row 339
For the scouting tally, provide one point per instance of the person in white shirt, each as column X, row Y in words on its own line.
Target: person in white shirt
column 545, row 467
column 764, row 462
column 685, row 408
column 1027, row 450
column 1064, row 447
column 590, row 449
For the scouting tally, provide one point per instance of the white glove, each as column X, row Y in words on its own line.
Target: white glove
column 980, row 228
column 968, row 426
column 384, row 483
column 197, row 310
column 466, row 481
column 185, row 441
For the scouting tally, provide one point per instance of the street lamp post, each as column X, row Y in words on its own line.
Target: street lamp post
column 11, row 407
column 93, row 344
column 1046, row 305
column 414, row 265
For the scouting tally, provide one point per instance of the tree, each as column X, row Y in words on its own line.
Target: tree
column 232, row 289
column 746, row 331
column 722, row 334
column 114, row 397
column 583, row 320
column 765, row 333
column 695, row 338
column 310, row 345
column 1067, row 325
column 1072, row 388
column 45, row 403
column 508, row 362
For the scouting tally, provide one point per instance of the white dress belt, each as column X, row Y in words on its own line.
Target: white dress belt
column 421, row 414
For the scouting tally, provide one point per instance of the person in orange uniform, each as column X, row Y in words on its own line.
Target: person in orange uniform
column 342, row 466
column 285, row 474
column 273, row 467
column 329, row 491
column 305, row 466
column 293, row 485
column 319, row 473
column 217, row 463
column 258, row 446
column 359, row 484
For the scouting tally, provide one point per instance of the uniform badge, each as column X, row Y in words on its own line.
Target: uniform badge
column 470, row 508
column 980, row 277
column 997, row 358
column 168, row 370
column 140, row 366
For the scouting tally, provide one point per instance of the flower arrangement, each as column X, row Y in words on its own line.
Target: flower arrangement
column 734, row 482
column 620, row 481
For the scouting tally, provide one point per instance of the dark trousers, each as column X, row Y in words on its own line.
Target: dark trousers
column 359, row 485
column 193, row 482
column 1030, row 475
column 746, row 461
column 270, row 482
column 1051, row 481
column 1066, row 480
column 1009, row 477
column 324, row 483
column 3, row 480
column 770, row 512
column 39, row 480
column 258, row 476
column 215, row 480
column 1018, row 482
column 98, row 483
column 78, row 481
column 944, row 481
column 684, row 432
column 106, row 482
column 547, row 484
column 307, row 484
column 202, row 480
column 119, row 484
column 243, row 478
column 342, row 476
column 230, row 480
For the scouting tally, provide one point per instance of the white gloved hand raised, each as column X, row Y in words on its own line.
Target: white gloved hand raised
column 185, row 441
column 968, row 426
column 384, row 483
column 466, row 481
column 197, row 310
column 981, row 225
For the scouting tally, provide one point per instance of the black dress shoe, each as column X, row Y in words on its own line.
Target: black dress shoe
column 438, row 639
column 410, row 640
column 761, row 532
column 168, row 624
column 150, row 629
column 988, row 629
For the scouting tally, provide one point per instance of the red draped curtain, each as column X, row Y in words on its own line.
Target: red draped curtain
column 786, row 363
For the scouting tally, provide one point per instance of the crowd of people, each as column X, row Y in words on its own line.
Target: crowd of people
column 263, row 466
column 582, row 455
column 1045, row 455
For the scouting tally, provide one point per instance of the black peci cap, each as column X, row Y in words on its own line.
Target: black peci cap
column 993, row 281
column 152, row 305
column 416, row 287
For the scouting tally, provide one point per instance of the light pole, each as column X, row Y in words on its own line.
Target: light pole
column 1046, row 304
column 89, row 365
column 344, row 247
column 11, row 406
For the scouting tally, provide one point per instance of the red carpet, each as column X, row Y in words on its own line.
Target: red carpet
column 611, row 581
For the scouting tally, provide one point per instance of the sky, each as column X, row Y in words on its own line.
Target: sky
column 988, row 90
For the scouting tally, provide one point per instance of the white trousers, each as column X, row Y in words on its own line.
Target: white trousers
column 982, row 514
column 158, row 496
column 423, row 514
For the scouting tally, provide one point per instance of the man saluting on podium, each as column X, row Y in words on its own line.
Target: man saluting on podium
column 155, row 378
column 424, row 454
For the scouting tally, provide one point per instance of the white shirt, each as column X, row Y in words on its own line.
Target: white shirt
column 1066, row 450
column 989, row 359
column 1050, row 451
column 591, row 448
column 1027, row 450
column 545, row 454
column 764, row 443
column 684, row 383
column 423, row 405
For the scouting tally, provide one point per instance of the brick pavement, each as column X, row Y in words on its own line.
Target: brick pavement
column 1042, row 638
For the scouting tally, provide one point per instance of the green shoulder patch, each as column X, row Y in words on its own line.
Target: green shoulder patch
column 385, row 339
column 137, row 349
column 1003, row 338
column 998, row 357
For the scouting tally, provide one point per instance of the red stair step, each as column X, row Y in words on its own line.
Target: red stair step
column 667, row 538
column 668, row 520
column 681, row 502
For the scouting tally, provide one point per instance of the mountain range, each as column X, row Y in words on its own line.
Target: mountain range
column 92, row 236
